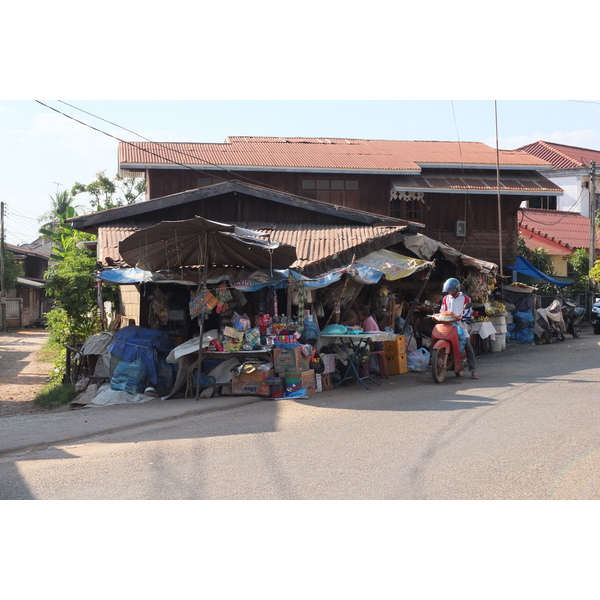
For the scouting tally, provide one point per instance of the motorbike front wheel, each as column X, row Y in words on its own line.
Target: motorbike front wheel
column 439, row 358
column 576, row 329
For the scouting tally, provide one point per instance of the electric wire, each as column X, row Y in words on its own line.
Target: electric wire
column 162, row 144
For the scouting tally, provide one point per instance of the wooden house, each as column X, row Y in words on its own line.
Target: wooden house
column 465, row 194
column 25, row 305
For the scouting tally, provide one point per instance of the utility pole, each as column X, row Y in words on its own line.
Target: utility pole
column 2, row 284
column 593, row 210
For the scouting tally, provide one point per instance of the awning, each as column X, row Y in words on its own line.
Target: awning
column 30, row 282
column 530, row 183
column 426, row 248
column 533, row 275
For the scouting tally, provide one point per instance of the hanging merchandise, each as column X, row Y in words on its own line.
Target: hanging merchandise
column 207, row 299
column 223, row 297
column 159, row 309
column 301, row 299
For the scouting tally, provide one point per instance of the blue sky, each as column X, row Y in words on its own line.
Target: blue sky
column 42, row 151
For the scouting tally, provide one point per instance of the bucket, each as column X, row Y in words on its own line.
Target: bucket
column 277, row 390
column 499, row 344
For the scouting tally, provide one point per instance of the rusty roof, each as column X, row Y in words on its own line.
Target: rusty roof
column 318, row 247
column 483, row 182
column 563, row 228
column 561, row 156
column 320, row 155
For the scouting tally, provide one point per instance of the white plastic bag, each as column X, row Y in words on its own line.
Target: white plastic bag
column 418, row 360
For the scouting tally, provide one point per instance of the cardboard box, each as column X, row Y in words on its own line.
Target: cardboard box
column 396, row 365
column 289, row 360
column 252, row 384
column 305, row 379
column 398, row 346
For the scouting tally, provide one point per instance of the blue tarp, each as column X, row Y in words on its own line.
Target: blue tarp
column 524, row 267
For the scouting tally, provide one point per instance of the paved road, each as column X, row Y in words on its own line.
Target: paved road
column 528, row 429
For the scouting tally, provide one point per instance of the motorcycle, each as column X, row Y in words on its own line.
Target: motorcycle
column 446, row 353
column 549, row 324
column 595, row 317
column 572, row 316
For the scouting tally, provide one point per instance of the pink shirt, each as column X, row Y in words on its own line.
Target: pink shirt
column 370, row 324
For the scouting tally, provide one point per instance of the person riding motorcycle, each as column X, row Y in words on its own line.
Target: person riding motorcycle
column 455, row 302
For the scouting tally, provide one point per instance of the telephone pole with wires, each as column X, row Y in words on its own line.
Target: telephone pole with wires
column 593, row 210
column 2, row 284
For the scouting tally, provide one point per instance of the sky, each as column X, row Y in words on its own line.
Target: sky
column 43, row 151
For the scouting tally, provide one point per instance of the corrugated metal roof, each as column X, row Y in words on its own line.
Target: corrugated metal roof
column 319, row 247
column 530, row 182
column 318, row 154
column 561, row 156
column 316, row 246
column 562, row 227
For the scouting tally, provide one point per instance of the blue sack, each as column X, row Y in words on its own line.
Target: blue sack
column 129, row 377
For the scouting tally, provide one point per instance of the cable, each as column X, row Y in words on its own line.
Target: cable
column 161, row 144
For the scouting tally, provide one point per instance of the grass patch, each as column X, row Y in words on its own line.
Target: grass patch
column 54, row 394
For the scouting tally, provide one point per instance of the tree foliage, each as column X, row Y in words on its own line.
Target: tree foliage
column 12, row 270
column 579, row 265
column 542, row 261
column 108, row 193
column 61, row 204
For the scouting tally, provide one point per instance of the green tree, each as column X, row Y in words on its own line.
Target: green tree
column 578, row 268
column 12, row 270
column 60, row 205
column 108, row 193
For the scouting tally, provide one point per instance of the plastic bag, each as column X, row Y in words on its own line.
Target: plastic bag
column 418, row 360
column 129, row 377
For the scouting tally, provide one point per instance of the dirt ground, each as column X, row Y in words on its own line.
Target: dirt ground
column 21, row 374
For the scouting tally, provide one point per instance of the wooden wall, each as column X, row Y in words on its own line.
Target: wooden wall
column 480, row 211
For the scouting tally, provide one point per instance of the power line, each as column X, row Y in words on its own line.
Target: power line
column 180, row 152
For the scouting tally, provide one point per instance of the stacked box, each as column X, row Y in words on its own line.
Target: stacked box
column 396, row 347
column 396, row 365
column 326, row 382
column 304, row 379
column 252, row 384
column 288, row 360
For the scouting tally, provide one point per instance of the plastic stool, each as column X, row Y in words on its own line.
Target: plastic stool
column 380, row 354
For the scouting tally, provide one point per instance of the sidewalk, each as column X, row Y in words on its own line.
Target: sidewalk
column 26, row 432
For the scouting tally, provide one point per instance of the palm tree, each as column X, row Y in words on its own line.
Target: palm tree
column 60, row 205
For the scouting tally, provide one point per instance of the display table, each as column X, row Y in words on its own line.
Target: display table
column 356, row 346
column 190, row 362
column 481, row 334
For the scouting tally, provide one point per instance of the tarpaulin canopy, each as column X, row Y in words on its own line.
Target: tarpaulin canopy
column 426, row 248
column 523, row 266
column 201, row 242
column 369, row 270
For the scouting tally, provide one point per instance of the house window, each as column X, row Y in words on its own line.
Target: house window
column 25, row 296
column 545, row 202
column 409, row 206
column 337, row 191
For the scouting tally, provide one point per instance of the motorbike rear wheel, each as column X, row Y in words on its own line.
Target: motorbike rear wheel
column 439, row 359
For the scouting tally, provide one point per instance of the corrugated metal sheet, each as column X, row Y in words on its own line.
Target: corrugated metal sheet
column 561, row 227
column 320, row 154
column 561, row 156
column 530, row 182
column 315, row 244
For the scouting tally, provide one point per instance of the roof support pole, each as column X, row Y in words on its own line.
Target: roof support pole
column 593, row 209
